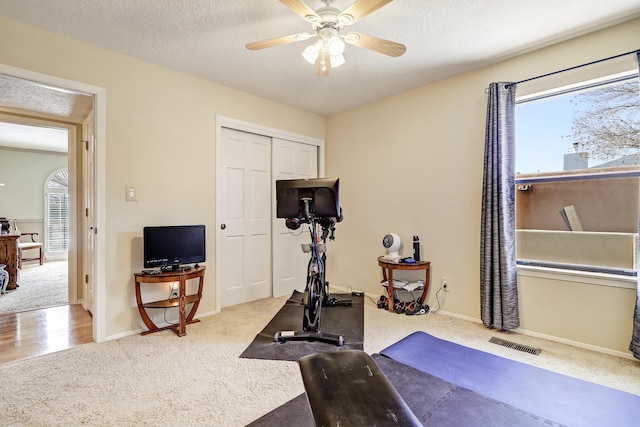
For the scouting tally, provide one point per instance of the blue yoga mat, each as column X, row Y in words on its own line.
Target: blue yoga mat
column 556, row 397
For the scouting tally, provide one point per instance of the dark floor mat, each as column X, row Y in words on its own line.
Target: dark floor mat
column 563, row 399
column 434, row 401
column 295, row 412
column 336, row 319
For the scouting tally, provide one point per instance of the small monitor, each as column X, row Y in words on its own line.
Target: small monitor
column 323, row 192
column 173, row 246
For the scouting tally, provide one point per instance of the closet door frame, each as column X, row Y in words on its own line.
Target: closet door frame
column 231, row 123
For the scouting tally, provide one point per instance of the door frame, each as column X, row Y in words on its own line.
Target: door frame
column 72, row 167
column 227, row 122
column 99, row 111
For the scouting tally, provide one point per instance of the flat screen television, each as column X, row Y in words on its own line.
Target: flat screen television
column 170, row 247
column 324, row 194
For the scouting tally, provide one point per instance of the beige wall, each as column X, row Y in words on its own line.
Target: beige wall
column 22, row 198
column 160, row 137
column 420, row 173
column 24, row 173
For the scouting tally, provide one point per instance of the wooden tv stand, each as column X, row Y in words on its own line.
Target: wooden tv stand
column 181, row 302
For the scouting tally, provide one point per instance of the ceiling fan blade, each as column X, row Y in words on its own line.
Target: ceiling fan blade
column 359, row 9
column 301, row 9
column 375, row 44
column 323, row 64
column 277, row 41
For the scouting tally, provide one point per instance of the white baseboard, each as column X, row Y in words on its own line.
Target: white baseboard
column 576, row 344
column 532, row 333
column 124, row 334
column 210, row 313
column 550, row 338
column 162, row 325
column 343, row 289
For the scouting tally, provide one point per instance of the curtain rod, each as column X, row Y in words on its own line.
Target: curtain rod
column 575, row 67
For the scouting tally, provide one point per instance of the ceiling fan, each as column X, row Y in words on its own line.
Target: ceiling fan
column 327, row 23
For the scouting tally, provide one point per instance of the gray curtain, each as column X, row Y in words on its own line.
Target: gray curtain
column 498, row 279
column 635, row 338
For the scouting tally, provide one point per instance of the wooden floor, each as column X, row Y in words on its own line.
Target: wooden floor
column 36, row 332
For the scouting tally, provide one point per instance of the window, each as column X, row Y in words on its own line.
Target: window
column 578, row 177
column 57, row 213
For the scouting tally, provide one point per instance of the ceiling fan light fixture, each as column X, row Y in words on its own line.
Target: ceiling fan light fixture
column 310, row 54
column 335, row 45
column 337, row 60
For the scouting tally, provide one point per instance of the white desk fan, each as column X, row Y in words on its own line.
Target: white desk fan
column 392, row 244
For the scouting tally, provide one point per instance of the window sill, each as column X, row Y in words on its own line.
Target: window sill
column 586, row 277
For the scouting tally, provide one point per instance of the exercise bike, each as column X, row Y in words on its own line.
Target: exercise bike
column 316, row 293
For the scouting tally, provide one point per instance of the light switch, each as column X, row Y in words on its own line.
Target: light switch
column 130, row 193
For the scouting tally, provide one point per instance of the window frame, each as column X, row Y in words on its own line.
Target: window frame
column 619, row 277
column 56, row 183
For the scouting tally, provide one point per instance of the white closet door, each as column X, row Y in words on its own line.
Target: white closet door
column 291, row 160
column 245, row 217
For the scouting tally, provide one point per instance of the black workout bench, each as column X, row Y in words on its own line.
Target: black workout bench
column 347, row 388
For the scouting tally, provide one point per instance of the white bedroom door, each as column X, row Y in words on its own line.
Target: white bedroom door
column 291, row 160
column 245, row 217
column 89, row 217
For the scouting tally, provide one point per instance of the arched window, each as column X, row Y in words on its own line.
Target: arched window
column 56, row 213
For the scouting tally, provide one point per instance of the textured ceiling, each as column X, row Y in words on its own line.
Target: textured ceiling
column 18, row 94
column 34, row 99
column 206, row 38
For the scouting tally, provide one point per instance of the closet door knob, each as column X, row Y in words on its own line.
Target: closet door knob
column 223, row 226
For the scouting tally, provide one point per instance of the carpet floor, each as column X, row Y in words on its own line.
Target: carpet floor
column 41, row 286
column 200, row 380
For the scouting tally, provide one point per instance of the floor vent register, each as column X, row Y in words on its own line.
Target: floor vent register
column 515, row 346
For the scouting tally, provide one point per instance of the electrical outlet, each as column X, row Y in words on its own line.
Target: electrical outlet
column 445, row 283
column 174, row 290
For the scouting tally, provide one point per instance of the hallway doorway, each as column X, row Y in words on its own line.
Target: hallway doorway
column 27, row 94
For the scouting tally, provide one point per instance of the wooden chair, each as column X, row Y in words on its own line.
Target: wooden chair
column 26, row 246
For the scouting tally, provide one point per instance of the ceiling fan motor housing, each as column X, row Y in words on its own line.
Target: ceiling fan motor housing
column 328, row 15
